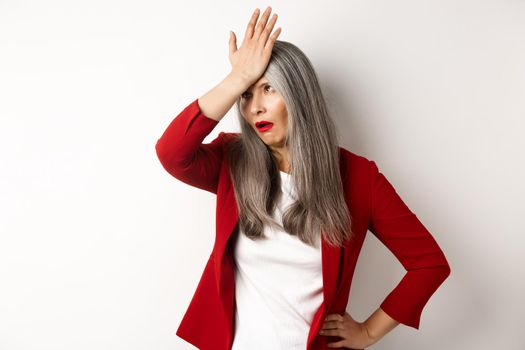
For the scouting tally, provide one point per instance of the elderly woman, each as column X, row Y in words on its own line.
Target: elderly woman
column 293, row 209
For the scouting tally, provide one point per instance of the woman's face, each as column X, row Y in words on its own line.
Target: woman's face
column 261, row 102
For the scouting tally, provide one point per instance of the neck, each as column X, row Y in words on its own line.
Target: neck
column 282, row 159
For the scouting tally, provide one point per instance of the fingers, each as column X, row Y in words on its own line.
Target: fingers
column 272, row 39
column 337, row 317
column 262, row 23
column 332, row 325
column 266, row 32
column 332, row 332
column 251, row 25
column 257, row 37
column 338, row 344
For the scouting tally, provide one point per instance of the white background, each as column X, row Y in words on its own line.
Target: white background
column 100, row 248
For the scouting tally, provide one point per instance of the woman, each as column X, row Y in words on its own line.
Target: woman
column 293, row 209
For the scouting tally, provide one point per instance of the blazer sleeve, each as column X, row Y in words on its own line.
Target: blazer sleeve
column 182, row 153
column 399, row 229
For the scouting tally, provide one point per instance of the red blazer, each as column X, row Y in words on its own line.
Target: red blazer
column 372, row 201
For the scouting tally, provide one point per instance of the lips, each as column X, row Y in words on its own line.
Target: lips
column 263, row 125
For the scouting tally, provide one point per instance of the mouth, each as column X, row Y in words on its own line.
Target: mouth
column 263, row 125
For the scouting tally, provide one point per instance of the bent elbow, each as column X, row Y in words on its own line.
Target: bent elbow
column 160, row 150
column 447, row 271
column 165, row 156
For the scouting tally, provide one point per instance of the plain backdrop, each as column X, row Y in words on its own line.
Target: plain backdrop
column 100, row 248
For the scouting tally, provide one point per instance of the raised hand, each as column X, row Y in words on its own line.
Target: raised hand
column 251, row 59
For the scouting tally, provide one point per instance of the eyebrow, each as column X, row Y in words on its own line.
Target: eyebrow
column 258, row 85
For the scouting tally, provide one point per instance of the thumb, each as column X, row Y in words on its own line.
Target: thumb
column 233, row 42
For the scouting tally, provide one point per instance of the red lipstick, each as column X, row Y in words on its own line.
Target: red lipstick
column 263, row 125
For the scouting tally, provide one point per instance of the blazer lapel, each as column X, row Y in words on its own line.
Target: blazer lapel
column 330, row 260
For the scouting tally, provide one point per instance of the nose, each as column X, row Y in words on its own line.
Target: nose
column 257, row 105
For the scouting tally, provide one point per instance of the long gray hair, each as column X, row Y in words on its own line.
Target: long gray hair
column 312, row 144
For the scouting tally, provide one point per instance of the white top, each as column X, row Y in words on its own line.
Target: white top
column 278, row 286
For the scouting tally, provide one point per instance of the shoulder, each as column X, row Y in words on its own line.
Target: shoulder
column 353, row 162
column 356, row 174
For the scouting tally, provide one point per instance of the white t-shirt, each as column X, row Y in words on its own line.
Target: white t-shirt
column 278, row 286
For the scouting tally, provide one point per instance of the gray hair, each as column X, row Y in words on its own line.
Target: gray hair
column 312, row 144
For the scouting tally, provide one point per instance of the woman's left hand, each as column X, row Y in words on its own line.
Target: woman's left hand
column 354, row 334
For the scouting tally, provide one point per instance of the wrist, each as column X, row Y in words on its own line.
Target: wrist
column 379, row 324
column 238, row 79
column 372, row 337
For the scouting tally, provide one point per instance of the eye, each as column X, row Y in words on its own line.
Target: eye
column 246, row 95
